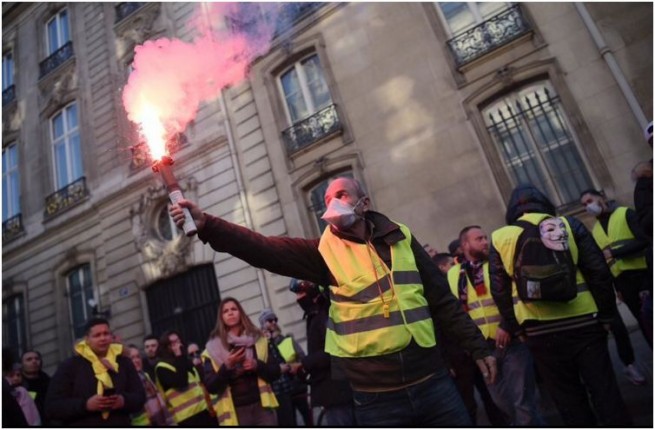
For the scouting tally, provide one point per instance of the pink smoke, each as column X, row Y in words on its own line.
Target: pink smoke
column 174, row 76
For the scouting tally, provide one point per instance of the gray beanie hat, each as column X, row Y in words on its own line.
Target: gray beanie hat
column 266, row 315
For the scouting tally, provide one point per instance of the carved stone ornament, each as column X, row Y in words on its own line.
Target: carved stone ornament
column 159, row 258
column 505, row 75
column 58, row 90
column 135, row 29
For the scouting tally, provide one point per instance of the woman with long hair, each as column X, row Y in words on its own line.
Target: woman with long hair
column 180, row 382
column 238, row 369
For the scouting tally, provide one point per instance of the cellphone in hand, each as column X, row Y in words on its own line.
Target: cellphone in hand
column 109, row 392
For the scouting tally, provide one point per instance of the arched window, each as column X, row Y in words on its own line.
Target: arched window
column 534, row 138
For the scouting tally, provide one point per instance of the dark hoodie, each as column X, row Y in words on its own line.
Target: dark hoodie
column 592, row 265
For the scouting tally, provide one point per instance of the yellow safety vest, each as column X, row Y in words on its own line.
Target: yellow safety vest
column 223, row 404
column 504, row 241
column 369, row 316
column 141, row 420
column 618, row 233
column 187, row 403
column 287, row 350
column 482, row 309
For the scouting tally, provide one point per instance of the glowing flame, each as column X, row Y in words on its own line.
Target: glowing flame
column 153, row 131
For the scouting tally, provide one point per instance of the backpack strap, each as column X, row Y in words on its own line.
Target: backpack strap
column 519, row 243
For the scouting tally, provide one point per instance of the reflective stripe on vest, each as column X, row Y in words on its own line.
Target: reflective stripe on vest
column 187, row 403
column 357, row 326
column 287, row 350
column 617, row 235
column 482, row 309
column 504, row 241
column 141, row 420
column 223, row 405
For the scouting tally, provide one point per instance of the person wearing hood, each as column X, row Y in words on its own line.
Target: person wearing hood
column 384, row 292
column 566, row 336
column 239, row 370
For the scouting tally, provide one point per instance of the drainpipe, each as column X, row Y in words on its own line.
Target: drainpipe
column 608, row 56
column 242, row 195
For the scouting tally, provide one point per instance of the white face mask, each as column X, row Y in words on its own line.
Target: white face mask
column 594, row 208
column 340, row 214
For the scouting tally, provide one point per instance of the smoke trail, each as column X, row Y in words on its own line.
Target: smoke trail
column 174, row 76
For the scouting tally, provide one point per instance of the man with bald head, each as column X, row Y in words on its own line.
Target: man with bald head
column 386, row 297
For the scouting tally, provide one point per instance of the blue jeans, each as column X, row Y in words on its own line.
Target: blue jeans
column 340, row 416
column 514, row 391
column 431, row 403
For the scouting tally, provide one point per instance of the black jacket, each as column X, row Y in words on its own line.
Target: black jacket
column 325, row 391
column 38, row 385
column 592, row 265
column 300, row 258
column 74, row 383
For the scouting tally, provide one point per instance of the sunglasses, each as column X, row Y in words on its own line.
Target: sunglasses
column 272, row 320
column 194, row 354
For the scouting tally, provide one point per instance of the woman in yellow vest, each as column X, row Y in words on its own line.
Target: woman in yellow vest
column 238, row 370
column 180, row 382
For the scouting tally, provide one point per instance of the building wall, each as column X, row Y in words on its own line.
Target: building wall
column 412, row 132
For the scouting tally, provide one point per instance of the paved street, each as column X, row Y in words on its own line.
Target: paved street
column 638, row 398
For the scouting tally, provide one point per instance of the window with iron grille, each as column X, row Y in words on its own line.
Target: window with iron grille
column 65, row 137
column 80, row 290
column 10, row 182
column 57, row 32
column 14, row 330
column 166, row 228
column 316, row 197
column 536, row 142
column 187, row 303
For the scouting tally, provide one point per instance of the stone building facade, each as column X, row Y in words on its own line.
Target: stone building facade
column 439, row 109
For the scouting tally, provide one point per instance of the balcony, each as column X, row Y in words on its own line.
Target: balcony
column 8, row 95
column 66, row 197
column 322, row 124
column 55, row 60
column 291, row 13
column 12, row 228
column 123, row 10
column 497, row 31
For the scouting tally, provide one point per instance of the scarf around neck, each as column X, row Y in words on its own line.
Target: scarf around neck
column 219, row 353
column 101, row 366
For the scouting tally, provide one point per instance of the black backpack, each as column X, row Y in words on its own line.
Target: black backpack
column 541, row 272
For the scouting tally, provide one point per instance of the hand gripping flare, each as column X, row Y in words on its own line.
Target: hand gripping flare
column 163, row 166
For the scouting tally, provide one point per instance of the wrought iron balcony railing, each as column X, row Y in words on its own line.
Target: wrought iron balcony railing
column 497, row 31
column 66, row 197
column 318, row 126
column 249, row 16
column 123, row 10
column 8, row 94
column 291, row 13
column 56, row 59
column 12, row 228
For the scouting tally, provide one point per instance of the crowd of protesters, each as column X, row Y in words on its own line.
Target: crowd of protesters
column 398, row 334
